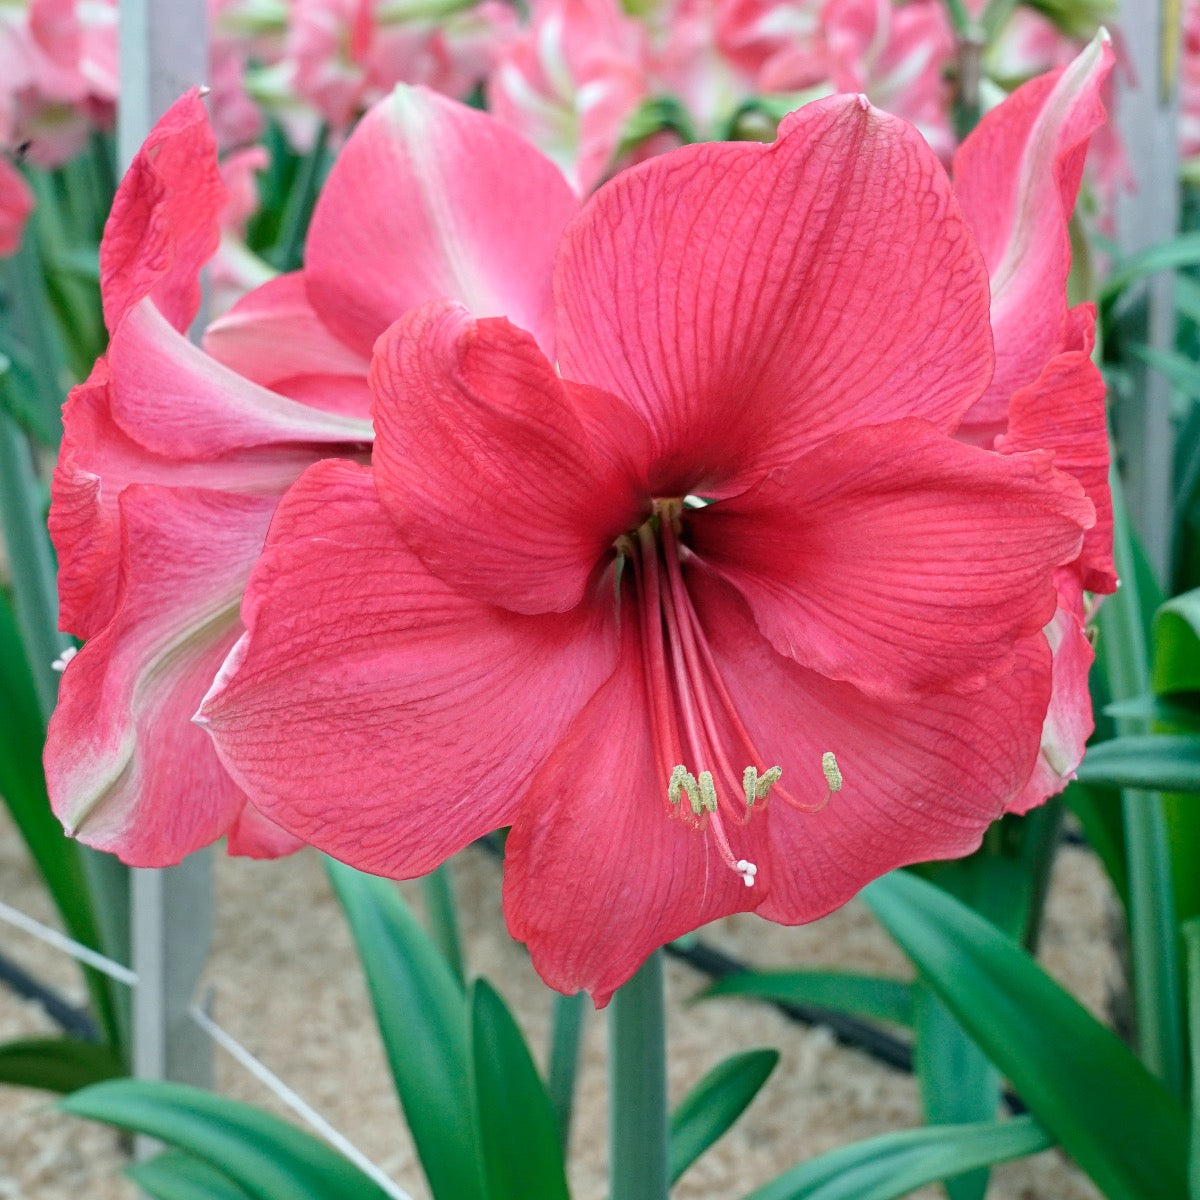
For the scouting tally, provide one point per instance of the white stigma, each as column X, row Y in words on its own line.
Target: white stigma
column 60, row 663
column 747, row 870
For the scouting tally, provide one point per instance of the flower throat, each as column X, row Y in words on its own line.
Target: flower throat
column 693, row 717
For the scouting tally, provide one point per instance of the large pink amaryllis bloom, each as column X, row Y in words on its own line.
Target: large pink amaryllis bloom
column 173, row 462
column 714, row 611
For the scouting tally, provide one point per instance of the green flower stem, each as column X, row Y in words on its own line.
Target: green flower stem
column 959, row 17
column 438, row 893
column 1157, row 985
column 638, row 1127
column 566, row 1037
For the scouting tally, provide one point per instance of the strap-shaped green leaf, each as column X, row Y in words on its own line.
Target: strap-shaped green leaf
column 57, row 1064
column 266, row 1157
column 518, row 1131
column 423, row 1020
column 1151, row 762
column 841, row 991
column 1078, row 1078
column 174, row 1175
column 890, row 1166
column 713, row 1105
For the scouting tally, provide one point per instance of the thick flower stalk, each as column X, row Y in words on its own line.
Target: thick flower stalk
column 713, row 608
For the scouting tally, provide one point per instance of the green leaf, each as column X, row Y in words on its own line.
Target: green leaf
column 57, row 1064
column 1179, row 371
column 266, row 1157
column 895, row 1164
column 1183, row 251
column 1154, row 762
column 1177, row 645
column 712, row 1106
column 1191, row 941
column 423, row 1020
column 840, row 991
column 1077, row 1077
column 23, row 791
column 517, row 1127
column 173, row 1175
column 958, row 1084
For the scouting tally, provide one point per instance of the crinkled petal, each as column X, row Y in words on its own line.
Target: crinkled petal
column 1063, row 411
column 372, row 711
column 274, row 337
column 164, row 225
column 97, row 461
column 1016, row 177
column 177, row 401
column 508, row 482
column 126, row 769
column 431, row 199
column 921, row 779
column 1068, row 723
column 898, row 559
column 599, row 871
column 749, row 300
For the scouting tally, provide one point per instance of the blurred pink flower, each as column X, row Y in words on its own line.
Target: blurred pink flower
column 571, row 82
column 16, row 203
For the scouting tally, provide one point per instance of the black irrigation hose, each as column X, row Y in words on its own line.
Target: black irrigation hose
column 849, row 1031
column 75, row 1022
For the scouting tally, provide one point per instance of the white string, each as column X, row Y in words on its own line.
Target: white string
column 67, row 945
column 295, row 1102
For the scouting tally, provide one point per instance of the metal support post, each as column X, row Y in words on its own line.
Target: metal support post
column 1148, row 118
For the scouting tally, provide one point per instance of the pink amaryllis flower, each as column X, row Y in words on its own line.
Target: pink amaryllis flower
column 173, row 462
column 714, row 612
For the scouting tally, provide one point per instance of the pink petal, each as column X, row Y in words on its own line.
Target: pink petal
column 1063, row 410
column 126, row 769
column 922, row 779
column 370, row 709
column 98, row 460
column 432, row 199
column 252, row 836
column 1068, row 723
column 164, row 225
column 599, row 870
column 177, row 401
column 274, row 337
column 1017, row 177
column 507, row 482
column 750, row 300
column 16, row 203
column 897, row 559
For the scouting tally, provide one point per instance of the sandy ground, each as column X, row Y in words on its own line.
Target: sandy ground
column 286, row 984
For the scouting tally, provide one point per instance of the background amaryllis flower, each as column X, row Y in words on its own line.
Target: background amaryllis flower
column 173, row 462
column 731, row 531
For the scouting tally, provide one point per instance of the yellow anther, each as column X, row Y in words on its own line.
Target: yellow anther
column 681, row 781
column 833, row 773
column 708, row 792
column 758, row 786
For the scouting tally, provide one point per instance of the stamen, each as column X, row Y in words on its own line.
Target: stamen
column 708, row 792
column 682, row 780
column 758, row 787
column 833, row 774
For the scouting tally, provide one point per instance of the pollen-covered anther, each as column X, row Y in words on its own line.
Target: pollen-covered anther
column 757, row 787
column 833, row 773
column 683, row 781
